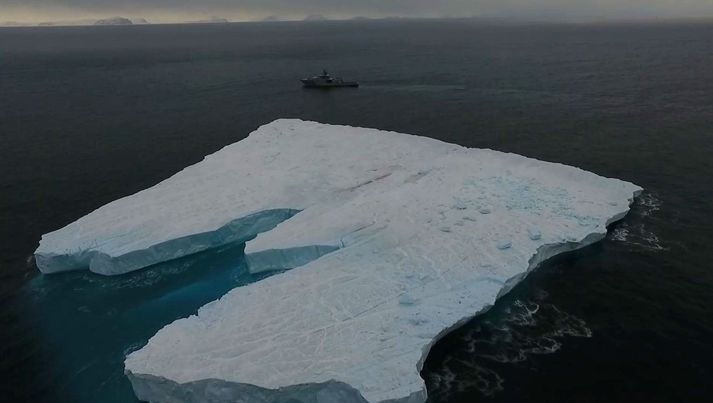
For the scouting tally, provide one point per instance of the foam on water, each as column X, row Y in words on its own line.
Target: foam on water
column 444, row 383
column 637, row 235
column 516, row 332
column 635, row 232
column 648, row 204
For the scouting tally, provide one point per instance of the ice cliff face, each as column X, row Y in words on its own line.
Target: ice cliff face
column 393, row 240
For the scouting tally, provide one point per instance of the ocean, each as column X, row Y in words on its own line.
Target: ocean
column 91, row 114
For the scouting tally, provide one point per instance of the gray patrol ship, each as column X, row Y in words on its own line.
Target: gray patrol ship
column 326, row 81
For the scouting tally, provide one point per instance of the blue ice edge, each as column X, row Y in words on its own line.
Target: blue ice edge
column 158, row 389
column 218, row 391
column 236, row 231
column 283, row 259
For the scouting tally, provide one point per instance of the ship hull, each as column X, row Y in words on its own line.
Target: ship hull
column 314, row 84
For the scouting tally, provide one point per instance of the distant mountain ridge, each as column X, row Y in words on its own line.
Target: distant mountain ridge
column 211, row 20
column 316, row 17
column 114, row 21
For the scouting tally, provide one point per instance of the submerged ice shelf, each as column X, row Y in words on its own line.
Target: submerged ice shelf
column 394, row 240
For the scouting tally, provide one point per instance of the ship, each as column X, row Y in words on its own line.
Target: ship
column 325, row 80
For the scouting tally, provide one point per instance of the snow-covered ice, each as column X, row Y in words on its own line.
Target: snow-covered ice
column 393, row 239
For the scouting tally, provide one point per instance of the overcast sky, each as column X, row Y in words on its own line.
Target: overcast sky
column 181, row 10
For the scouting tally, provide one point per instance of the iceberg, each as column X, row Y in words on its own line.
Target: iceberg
column 393, row 240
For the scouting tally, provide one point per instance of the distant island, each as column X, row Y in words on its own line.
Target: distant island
column 64, row 23
column 211, row 20
column 315, row 17
column 82, row 22
column 114, row 21
column 271, row 18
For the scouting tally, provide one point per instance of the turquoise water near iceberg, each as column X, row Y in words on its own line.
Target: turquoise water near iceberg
column 90, row 322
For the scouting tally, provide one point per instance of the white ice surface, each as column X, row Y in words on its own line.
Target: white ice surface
column 399, row 239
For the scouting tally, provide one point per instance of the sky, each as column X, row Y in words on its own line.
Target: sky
column 247, row 10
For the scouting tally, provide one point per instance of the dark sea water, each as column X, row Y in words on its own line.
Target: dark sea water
column 91, row 114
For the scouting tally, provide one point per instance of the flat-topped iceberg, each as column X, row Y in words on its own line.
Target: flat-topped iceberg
column 394, row 240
